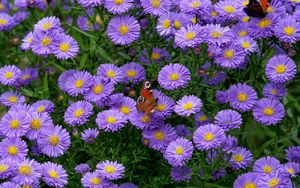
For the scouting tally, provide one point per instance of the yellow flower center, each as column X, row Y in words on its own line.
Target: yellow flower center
column 177, row 24
column 64, row 47
column 195, row 4
column 110, row 169
column 25, row 170
column 246, row 19
column 15, row 124
column 35, row 124
column 155, row 3
column 238, row 158
column 146, row 141
column 242, row 97
column 269, row 111
column 3, row 168
column 214, row 13
column 111, row 120
column 270, row 9
column 264, row 23
column 26, row 76
column 41, row 109
column 289, row 30
column 161, row 107
column 54, row 140
column 12, row 150
column 174, row 76
column 291, row 171
column 267, row 169
column 145, row 119
column 190, row 35
column 125, row 110
column 3, row 21
column 155, row 56
column 228, row 54
column 246, row 45
column 53, row 174
column 188, row 106
column 29, row 40
column 46, row 41
column 118, row 2
column 1, row 6
column 294, row 1
column 216, row 34
column 97, row 89
column 203, row 118
column 123, row 29
column 78, row 113
column 159, row 135
column 274, row 92
column 179, row 150
column 131, row 73
column 166, row 24
column 194, row 20
column 250, row 185
column 9, row 75
column 47, row 26
column 26, row 186
column 79, row 83
column 12, row 99
column 245, row 3
column 111, row 73
column 96, row 181
column 229, row 9
column 273, row 182
column 280, row 69
column 209, row 137
column 243, row 33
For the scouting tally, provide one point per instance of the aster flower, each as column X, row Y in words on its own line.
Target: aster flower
column 79, row 83
column 179, row 151
column 218, row 174
column 201, row 119
column 164, row 24
column 215, row 34
column 47, row 24
column 287, row 30
column 229, row 144
column 66, row 47
column 228, row 119
column 54, row 141
column 82, row 168
column 63, row 77
column 242, row 97
column 38, row 122
column 5, row 22
column 78, row 113
column 42, row 106
column 93, row 180
column 214, row 78
column 280, row 69
column 20, row 16
column 111, row 72
column 156, row 7
column 9, row 74
column 126, row 106
column 222, row 97
column 182, row 131
column 9, row 184
column 123, row 30
column 28, row 171
column 27, row 75
column 188, row 105
column 273, row 180
column 89, row 135
column 43, row 42
column 174, row 76
column 100, row 90
column 262, row 28
column 144, row 121
column 274, row 91
column 10, row 98
column 165, row 105
column 240, row 30
column 118, row 6
column 26, row 42
column 229, row 10
column 7, row 168
column 89, row 3
column 268, row 111
column 83, row 23
column 110, row 170
column 13, row 149
column 230, row 56
column 180, row 173
column 247, row 180
column 133, row 72
column 156, row 55
column 241, row 158
column 180, row 20
column 293, row 154
column 14, row 124
column 277, row 8
column 208, row 136
column 159, row 138
column 292, row 168
column 189, row 36
column 128, row 185
column 110, row 120
column 54, row 174
column 194, row 6
column 266, row 165
column 248, row 44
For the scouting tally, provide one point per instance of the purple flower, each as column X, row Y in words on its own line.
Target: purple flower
column 242, row 97
column 7, row 168
column 83, row 23
column 66, row 47
column 110, row 170
column 241, row 158
column 27, row 41
column 228, row 119
column 48, row 24
column 157, row 55
column 54, row 175
column 63, row 77
column 248, row 44
column 123, row 30
column 78, row 83
column 118, row 6
column 43, row 42
column 240, row 30
column 180, row 173
column 82, row 168
column 14, row 124
column 93, row 180
column 179, row 152
column 100, row 90
column 194, row 6
column 292, row 168
column 78, row 113
column 189, row 36
column 89, row 3
column 262, row 28
column 274, row 91
column 42, row 106
column 174, row 76
column 13, row 149
column 38, row 123
column 10, row 98
column 144, row 121
column 188, row 105
column 247, row 180
column 201, row 119
column 280, row 69
column 273, row 180
column 27, row 75
column 6, row 22
column 54, row 141
column 293, row 154
column 182, row 131
column 268, row 111
column 128, row 185
column 215, row 34
column 287, row 30
column 28, row 171
column 164, row 24
column 165, row 105
column 111, row 72
column 222, row 97
column 266, row 165
column 133, row 72
column 110, row 120
column 126, row 106
column 156, row 7
column 229, row 10
column 9, row 74
column 89, row 135
column 230, row 56
column 229, row 144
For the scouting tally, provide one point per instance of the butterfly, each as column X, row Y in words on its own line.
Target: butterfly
column 256, row 9
column 146, row 102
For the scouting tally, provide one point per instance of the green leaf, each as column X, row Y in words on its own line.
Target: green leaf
column 45, row 91
column 83, row 60
column 104, row 54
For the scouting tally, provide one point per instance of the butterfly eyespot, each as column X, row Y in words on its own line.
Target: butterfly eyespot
column 141, row 99
column 147, row 84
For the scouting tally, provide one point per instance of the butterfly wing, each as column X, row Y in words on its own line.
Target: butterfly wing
column 146, row 90
column 146, row 101
column 264, row 5
column 254, row 9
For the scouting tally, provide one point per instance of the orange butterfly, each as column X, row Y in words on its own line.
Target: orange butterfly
column 146, row 102
column 256, row 9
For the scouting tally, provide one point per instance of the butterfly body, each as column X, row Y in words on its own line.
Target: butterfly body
column 256, row 9
column 146, row 102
